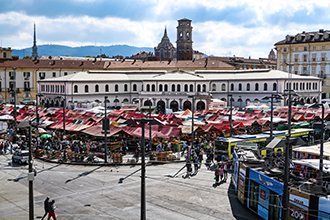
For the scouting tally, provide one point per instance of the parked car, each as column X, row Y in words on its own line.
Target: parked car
column 20, row 156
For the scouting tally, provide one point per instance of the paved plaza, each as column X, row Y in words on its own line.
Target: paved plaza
column 113, row 192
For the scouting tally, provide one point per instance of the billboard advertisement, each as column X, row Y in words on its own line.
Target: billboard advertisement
column 266, row 181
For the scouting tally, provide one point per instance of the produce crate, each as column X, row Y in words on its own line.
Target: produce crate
column 117, row 158
column 171, row 157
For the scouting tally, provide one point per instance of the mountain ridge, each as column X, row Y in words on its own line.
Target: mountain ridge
column 82, row 51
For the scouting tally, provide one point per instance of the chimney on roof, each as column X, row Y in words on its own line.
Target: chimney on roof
column 193, row 60
column 134, row 61
column 50, row 57
column 123, row 60
column 321, row 30
column 169, row 61
column 82, row 63
column 94, row 60
column 53, row 63
column 144, row 60
column 206, row 61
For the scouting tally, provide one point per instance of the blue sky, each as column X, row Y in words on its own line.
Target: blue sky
column 220, row 27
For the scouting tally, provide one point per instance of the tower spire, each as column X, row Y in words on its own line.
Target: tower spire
column 165, row 32
column 35, row 48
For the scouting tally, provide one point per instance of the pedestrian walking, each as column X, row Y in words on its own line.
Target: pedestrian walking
column 189, row 169
column 217, row 174
column 221, row 173
column 225, row 170
column 196, row 164
column 200, row 156
column 46, row 207
column 52, row 208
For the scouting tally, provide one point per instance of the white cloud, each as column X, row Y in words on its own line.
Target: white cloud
column 212, row 37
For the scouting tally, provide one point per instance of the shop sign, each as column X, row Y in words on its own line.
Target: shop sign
column 299, row 200
column 242, row 172
column 297, row 213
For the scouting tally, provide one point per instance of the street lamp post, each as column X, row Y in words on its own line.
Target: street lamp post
column 271, row 97
column 143, row 121
column 63, row 98
column 150, row 142
column 15, row 111
column 37, row 115
column 27, row 125
column 316, row 105
column 231, row 114
column 105, row 128
column 286, row 166
column 192, row 120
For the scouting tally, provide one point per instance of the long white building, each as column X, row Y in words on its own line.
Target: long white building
column 174, row 89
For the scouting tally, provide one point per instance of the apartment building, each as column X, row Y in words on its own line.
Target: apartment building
column 306, row 53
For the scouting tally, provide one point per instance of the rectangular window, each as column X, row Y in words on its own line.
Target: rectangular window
column 42, row 75
column 42, row 88
column 296, row 57
column 305, row 57
column 12, row 85
column 65, row 73
column 323, row 57
column 54, row 74
column 314, row 47
column 296, row 49
column 305, row 48
column 284, row 49
column 313, row 70
column 26, row 75
column 323, row 47
column 12, row 75
column 253, row 195
column 304, row 70
column 284, row 58
column 296, row 70
column 26, row 86
column 314, row 57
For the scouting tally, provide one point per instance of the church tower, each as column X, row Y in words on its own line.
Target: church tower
column 184, row 40
column 34, row 48
column 165, row 49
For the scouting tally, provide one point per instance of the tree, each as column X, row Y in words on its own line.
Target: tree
column 28, row 57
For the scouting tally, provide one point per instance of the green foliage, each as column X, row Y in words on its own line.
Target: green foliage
column 28, row 57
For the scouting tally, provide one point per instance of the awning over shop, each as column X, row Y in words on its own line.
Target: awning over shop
column 314, row 164
column 315, row 149
column 170, row 131
column 96, row 131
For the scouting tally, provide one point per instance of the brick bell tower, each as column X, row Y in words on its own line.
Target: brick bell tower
column 184, row 40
